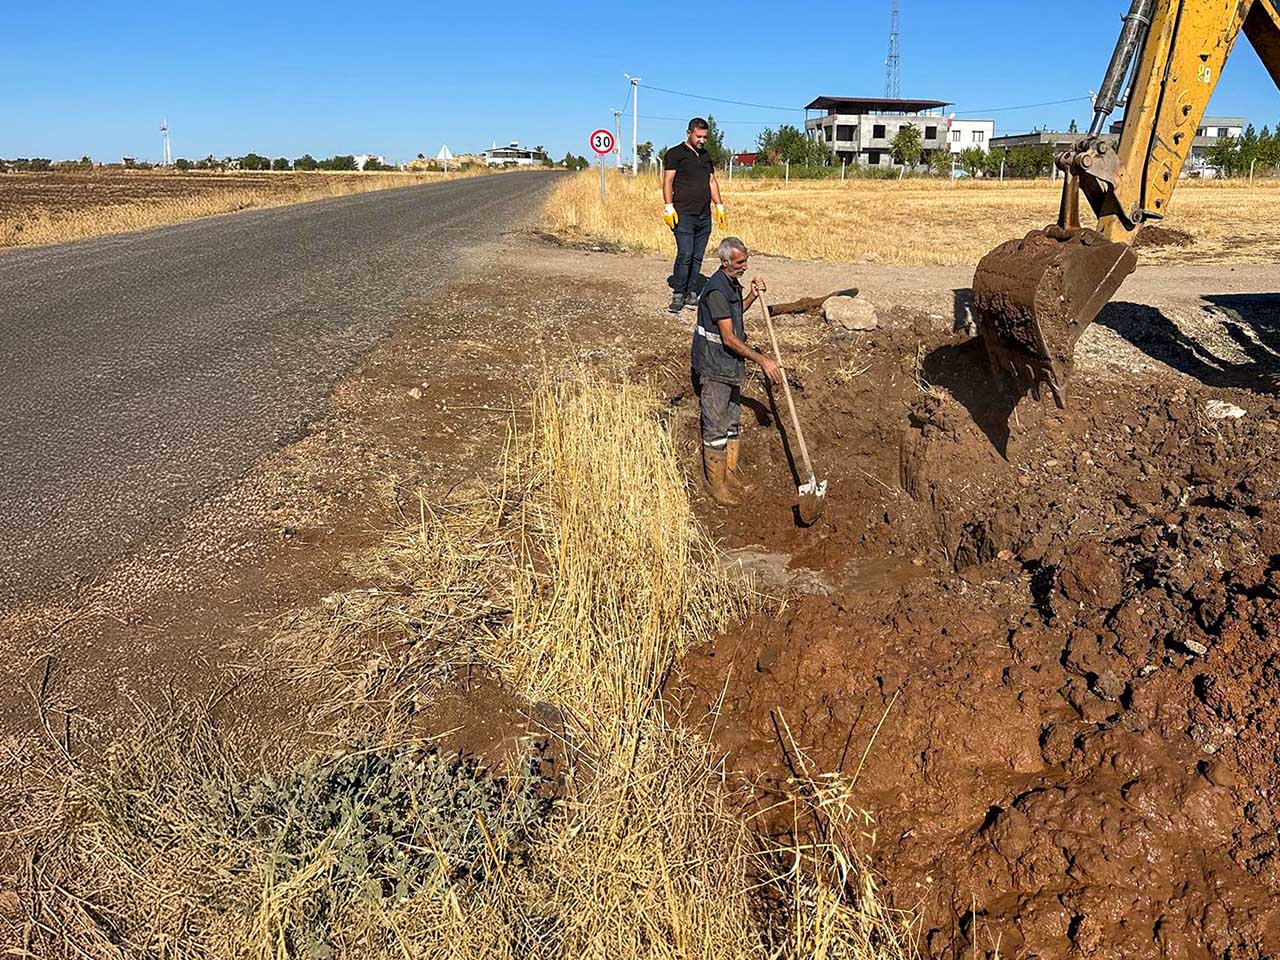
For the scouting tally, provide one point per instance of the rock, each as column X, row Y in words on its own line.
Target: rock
column 1108, row 686
column 416, row 393
column 1221, row 410
column 1194, row 647
column 850, row 313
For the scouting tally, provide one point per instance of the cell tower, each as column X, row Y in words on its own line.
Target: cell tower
column 164, row 131
column 892, row 63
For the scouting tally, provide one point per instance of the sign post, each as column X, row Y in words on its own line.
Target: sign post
column 444, row 156
column 602, row 142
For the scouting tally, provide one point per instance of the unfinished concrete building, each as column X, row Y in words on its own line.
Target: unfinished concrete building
column 861, row 129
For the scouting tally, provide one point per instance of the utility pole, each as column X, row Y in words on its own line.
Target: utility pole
column 617, row 138
column 635, row 122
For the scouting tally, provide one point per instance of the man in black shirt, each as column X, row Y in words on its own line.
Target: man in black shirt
column 689, row 190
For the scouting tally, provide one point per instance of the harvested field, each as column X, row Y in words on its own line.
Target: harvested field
column 915, row 221
column 43, row 208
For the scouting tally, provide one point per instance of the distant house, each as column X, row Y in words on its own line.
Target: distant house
column 1212, row 130
column 862, row 129
column 513, row 155
column 745, row 160
column 963, row 134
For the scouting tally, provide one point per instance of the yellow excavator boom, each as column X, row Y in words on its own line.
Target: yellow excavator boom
column 1036, row 296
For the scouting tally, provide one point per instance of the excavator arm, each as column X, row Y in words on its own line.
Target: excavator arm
column 1036, row 296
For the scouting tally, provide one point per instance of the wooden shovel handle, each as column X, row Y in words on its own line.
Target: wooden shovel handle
column 786, row 387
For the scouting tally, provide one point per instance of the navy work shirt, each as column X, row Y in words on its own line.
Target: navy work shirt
column 721, row 299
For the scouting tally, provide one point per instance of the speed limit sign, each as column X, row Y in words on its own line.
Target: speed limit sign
column 602, row 142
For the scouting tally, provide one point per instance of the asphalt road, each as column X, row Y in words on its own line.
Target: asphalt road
column 140, row 372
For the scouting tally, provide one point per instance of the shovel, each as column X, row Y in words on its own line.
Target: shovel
column 812, row 492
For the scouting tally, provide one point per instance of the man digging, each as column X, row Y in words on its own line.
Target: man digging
column 719, row 361
column 689, row 189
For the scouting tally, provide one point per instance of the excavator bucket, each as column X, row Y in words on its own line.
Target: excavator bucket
column 1035, row 296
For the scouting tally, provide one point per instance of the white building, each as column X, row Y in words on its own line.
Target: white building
column 964, row 134
column 364, row 158
column 512, row 155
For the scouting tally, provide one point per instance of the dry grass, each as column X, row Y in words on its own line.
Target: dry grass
column 915, row 221
column 44, row 208
column 615, row 577
column 580, row 581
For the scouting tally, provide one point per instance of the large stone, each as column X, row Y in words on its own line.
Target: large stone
column 850, row 313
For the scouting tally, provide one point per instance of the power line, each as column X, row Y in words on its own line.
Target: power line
column 737, row 103
column 768, row 106
column 645, row 116
column 1029, row 106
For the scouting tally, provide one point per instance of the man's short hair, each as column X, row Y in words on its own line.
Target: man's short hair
column 697, row 123
column 728, row 245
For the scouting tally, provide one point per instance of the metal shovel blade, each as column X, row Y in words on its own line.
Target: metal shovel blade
column 1036, row 296
column 813, row 500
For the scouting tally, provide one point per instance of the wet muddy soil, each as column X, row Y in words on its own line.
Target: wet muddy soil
column 1060, row 694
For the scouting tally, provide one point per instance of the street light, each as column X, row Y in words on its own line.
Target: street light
column 635, row 122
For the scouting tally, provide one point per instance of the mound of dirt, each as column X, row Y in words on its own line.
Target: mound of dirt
column 1077, row 693
column 1162, row 237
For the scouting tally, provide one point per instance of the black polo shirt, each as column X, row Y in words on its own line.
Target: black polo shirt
column 691, row 191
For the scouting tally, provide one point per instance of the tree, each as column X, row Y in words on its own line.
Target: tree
column 715, row 142
column 421, row 156
column 182, row 163
column 1248, row 147
column 1224, row 156
column 343, row 161
column 1269, row 147
column 1030, row 160
column 973, row 160
column 906, row 144
column 575, row 163
column 280, row 163
column 788, row 144
column 254, row 161
column 645, row 152
column 995, row 162
column 939, row 162
column 1072, row 128
column 306, row 162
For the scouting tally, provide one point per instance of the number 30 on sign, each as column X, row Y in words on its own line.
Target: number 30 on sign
column 602, row 142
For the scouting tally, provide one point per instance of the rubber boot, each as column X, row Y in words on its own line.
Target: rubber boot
column 731, row 474
column 713, row 461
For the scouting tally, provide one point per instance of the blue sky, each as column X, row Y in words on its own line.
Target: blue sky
column 284, row 79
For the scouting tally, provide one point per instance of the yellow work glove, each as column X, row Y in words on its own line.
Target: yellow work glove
column 669, row 215
column 722, row 221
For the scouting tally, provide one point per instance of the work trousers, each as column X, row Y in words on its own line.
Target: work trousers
column 692, row 233
column 720, row 411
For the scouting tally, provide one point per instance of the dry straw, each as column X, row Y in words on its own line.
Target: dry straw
column 921, row 221
column 580, row 582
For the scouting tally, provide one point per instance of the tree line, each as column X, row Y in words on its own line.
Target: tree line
column 1234, row 156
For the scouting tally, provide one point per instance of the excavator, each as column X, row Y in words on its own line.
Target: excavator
column 1035, row 296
